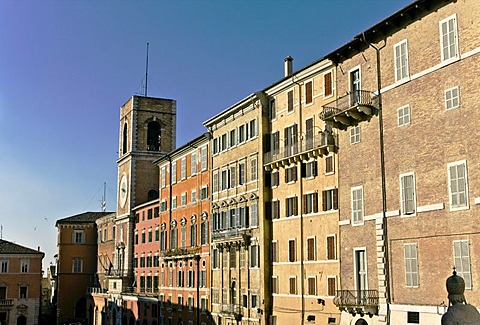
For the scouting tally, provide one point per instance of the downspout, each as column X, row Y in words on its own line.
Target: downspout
column 382, row 170
column 302, row 266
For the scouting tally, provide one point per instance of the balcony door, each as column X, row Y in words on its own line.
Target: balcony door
column 355, row 87
column 290, row 137
column 361, row 275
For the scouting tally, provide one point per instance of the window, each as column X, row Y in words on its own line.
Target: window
column 253, row 169
column 309, row 92
column 404, row 115
column 291, row 140
column 216, row 262
column 272, row 179
column 233, row 139
column 241, row 134
column 272, row 111
column 407, row 193
column 183, row 236
column 224, row 179
column 203, row 278
column 311, row 249
column 203, row 304
column 215, row 146
column 449, row 38
column 291, row 206
column 312, row 286
column 411, row 265
column 401, row 60
column 143, row 237
column 291, row 250
column 290, row 174
column 223, row 142
column 254, row 215
column 193, row 196
column 413, row 317
column 150, row 238
column 457, row 179
column 357, row 205
column 329, row 166
column 204, row 233
column 274, row 251
column 461, row 255
column 190, row 305
column 355, row 134
column 163, row 206
column 233, row 257
column 193, row 163
column 77, row 266
column 330, row 199
column 183, row 199
column 274, row 284
column 204, row 158
column 79, row 237
column 215, row 181
column 204, row 193
column 233, row 176
column 3, row 266
column 174, row 172
column 173, row 238
column 331, row 286
column 272, row 209
column 163, row 178
column 190, row 279
column 293, row 285
column 242, row 258
column 275, row 142
column 290, row 101
column 174, row 202
column 193, row 235
column 309, row 169
column 241, row 173
column 163, row 240
column 452, row 98
column 183, row 168
column 254, row 301
column 254, row 256
column 310, row 203
column 23, row 292
column 253, row 128
column 331, row 249
column 215, row 295
column 327, row 84
column 24, row 266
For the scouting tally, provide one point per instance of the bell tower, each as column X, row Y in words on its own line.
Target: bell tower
column 147, row 132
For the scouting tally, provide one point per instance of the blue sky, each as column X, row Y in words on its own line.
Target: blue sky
column 67, row 66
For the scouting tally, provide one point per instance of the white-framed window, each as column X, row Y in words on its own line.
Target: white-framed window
column 330, row 199
column 253, row 128
column 4, row 266
column 355, row 135
column 449, row 38
column 183, row 237
column 24, row 266
column 407, row 194
column 458, row 185
column 290, row 174
column 193, row 163
column 311, row 286
column 215, row 181
column 173, row 172
column 224, row 180
column 452, row 98
column 403, row 114
column 233, row 176
column 23, row 290
column 311, row 169
column 163, row 206
column 291, row 206
column 461, row 255
column 357, row 205
column 411, row 265
column 241, row 134
column 183, row 168
column 272, row 111
column 193, row 196
column 204, row 233
column 174, row 202
column 254, row 301
column 77, row 265
column 310, row 203
column 215, row 146
column 204, row 193
column 163, row 178
column 254, row 215
column 183, row 199
column 360, row 264
column 253, row 169
column 78, row 237
column 401, row 60
column 311, row 249
column 204, row 158
column 232, row 138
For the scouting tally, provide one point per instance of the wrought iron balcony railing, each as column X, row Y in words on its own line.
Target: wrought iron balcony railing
column 174, row 252
column 356, row 298
column 6, row 302
column 305, row 144
column 231, row 309
column 96, row 290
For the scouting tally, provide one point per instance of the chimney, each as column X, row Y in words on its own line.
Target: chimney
column 288, row 66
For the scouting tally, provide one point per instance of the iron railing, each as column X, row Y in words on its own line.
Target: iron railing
column 227, row 233
column 6, row 302
column 181, row 251
column 352, row 99
column 305, row 144
column 91, row 290
column 356, row 298
column 231, row 309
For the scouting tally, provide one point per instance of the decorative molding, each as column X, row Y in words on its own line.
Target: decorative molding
column 431, row 207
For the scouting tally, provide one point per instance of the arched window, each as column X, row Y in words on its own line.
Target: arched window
column 152, row 195
column 153, row 136
column 125, row 139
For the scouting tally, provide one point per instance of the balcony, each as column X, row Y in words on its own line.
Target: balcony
column 363, row 302
column 318, row 145
column 351, row 109
column 6, row 304
column 96, row 290
column 232, row 310
column 181, row 252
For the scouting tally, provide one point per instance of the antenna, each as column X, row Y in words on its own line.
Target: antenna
column 104, row 198
column 146, row 75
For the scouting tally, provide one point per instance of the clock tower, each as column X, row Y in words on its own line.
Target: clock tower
column 147, row 132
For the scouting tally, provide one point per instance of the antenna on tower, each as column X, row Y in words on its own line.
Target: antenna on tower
column 146, row 75
column 104, row 198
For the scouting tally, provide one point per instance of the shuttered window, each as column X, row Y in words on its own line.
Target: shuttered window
column 293, row 285
column 331, row 249
column 291, row 250
column 407, row 188
column 327, row 84
column 461, row 254
column 331, row 286
column 310, row 249
column 411, row 265
column 309, row 92
column 312, row 286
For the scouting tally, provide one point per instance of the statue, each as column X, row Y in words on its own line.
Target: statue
column 459, row 312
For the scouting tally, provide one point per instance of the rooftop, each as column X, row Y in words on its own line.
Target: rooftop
column 85, row 217
column 7, row 247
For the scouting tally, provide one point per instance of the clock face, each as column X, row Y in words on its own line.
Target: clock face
column 123, row 190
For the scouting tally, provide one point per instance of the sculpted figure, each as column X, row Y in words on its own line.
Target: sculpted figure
column 459, row 312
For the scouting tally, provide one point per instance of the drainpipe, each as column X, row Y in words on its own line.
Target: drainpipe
column 302, row 266
column 382, row 170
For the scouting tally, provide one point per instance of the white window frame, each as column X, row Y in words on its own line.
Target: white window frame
column 173, row 172
column 253, row 169
column 163, row 178
column 361, row 210
column 183, row 199
column 82, row 236
column 215, row 181
column 24, row 266
column 311, row 169
column 403, row 115
column 204, row 158
column 401, row 60
column 310, row 203
column 355, row 134
column 355, row 267
column 461, row 258
column 193, row 196
column 450, row 194
column 450, row 56
column 411, row 265
column 174, row 202
column 450, row 98
column 193, row 163
column 4, row 266
column 183, row 168
column 403, row 211
column 314, row 248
